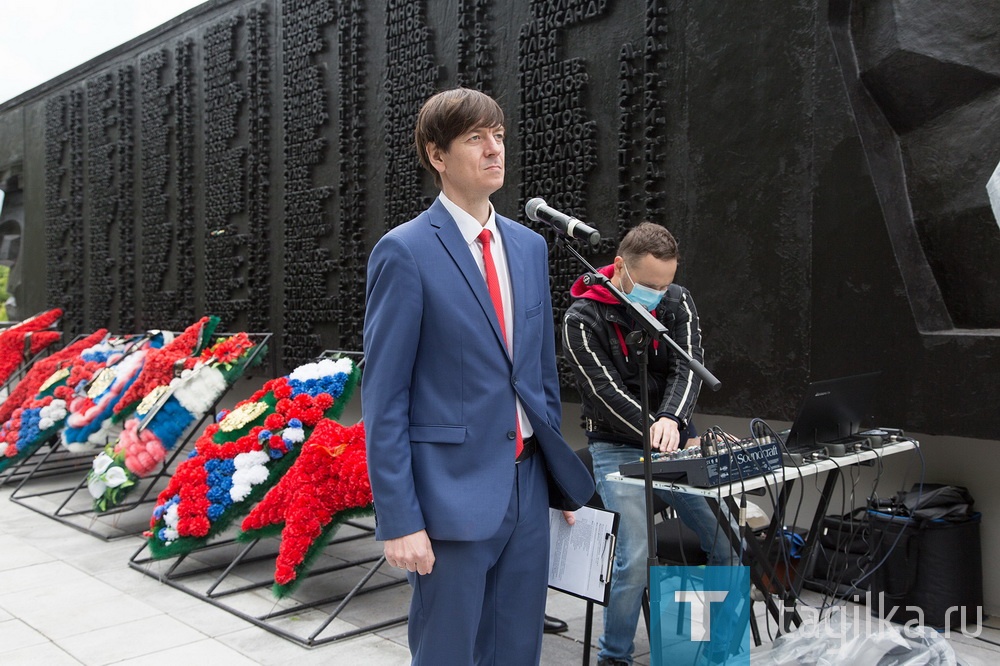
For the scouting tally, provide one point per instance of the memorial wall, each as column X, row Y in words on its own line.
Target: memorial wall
column 242, row 160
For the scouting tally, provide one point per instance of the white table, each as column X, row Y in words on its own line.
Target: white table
column 779, row 475
column 758, row 556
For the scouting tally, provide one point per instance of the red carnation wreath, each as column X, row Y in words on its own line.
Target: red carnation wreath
column 326, row 486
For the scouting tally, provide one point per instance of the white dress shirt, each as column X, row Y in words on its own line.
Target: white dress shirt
column 470, row 228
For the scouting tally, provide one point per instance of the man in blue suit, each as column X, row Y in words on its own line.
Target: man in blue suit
column 461, row 402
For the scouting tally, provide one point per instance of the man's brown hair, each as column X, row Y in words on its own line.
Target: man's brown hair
column 447, row 115
column 648, row 238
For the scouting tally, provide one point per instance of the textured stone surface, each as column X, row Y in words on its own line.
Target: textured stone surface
column 270, row 147
column 932, row 69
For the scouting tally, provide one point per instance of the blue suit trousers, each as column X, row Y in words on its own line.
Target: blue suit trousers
column 484, row 602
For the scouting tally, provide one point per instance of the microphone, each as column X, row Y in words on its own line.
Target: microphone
column 566, row 225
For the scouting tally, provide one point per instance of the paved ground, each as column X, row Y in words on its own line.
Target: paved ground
column 68, row 597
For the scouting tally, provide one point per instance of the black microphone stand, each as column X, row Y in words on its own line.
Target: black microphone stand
column 649, row 329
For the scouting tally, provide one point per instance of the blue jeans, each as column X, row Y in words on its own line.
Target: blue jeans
column 628, row 579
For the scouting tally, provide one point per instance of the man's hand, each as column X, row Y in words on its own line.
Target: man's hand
column 663, row 435
column 412, row 552
column 569, row 517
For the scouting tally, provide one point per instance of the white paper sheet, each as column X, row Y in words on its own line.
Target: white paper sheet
column 580, row 555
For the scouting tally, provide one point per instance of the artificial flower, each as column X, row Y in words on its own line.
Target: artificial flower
column 101, row 463
column 30, row 422
column 327, row 485
column 21, row 342
column 237, row 459
column 114, row 477
column 43, row 370
column 114, row 365
column 159, row 368
column 144, row 443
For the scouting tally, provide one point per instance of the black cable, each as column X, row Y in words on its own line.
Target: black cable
column 869, row 501
column 722, row 511
column 680, row 531
column 758, row 435
column 767, row 486
column 899, row 535
column 729, row 440
column 839, row 546
column 828, row 596
column 830, row 599
column 851, row 534
column 759, row 440
column 759, row 429
column 786, row 556
column 761, row 470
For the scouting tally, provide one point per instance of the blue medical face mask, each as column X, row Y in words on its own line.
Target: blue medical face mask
column 643, row 295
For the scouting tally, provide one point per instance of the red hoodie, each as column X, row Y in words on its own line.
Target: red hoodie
column 600, row 293
column 597, row 292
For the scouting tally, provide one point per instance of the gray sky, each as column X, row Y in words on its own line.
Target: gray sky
column 40, row 39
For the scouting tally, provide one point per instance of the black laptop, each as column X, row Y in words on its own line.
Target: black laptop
column 832, row 411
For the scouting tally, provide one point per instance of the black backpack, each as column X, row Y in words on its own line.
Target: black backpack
column 935, row 501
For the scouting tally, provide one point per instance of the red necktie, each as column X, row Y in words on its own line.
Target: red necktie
column 493, row 284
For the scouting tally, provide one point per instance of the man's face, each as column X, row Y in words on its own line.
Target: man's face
column 657, row 274
column 473, row 165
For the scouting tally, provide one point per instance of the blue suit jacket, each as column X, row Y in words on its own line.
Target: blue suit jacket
column 439, row 385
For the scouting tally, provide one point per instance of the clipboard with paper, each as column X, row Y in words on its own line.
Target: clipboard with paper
column 581, row 555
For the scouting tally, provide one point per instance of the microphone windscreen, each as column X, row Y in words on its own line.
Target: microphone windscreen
column 531, row 208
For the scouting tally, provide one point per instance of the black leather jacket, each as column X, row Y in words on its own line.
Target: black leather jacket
column 607, row 373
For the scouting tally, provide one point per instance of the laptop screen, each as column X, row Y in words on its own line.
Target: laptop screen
column 833, row 409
